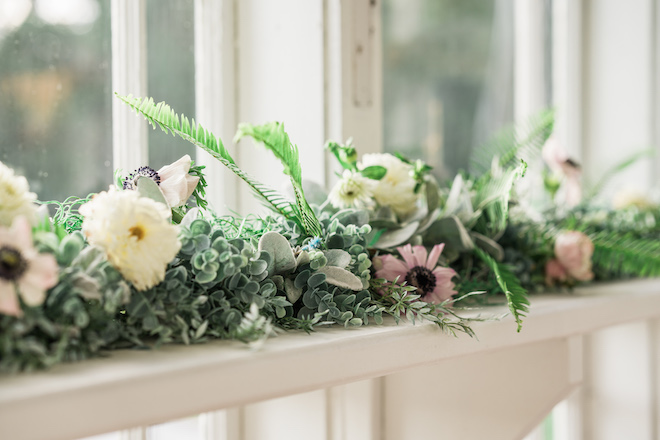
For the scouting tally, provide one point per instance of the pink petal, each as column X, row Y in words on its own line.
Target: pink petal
column 32, row 294
column 8, row 300
column 419, row 255
column 43, row 271
column 444, row 287
column 391, row 268
column 434, row 255
column 554, row 154
column 407, row 254
column 21, row 232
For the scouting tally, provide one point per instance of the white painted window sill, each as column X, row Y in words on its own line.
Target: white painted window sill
column 131, row 388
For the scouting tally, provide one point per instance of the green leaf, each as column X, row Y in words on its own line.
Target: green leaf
column 163, row 116
column 516, row 295
column 148, row 188
column 492, row 199
column 375, row 172
column 449, row 230
column 513, row 143
column 275, row 139
column 624, row 254
column 609, row 174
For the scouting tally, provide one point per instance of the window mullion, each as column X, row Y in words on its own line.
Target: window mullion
column 567, row 73
column 353, row 69
column 529, row 63
column 129, row 76
column 215, row 96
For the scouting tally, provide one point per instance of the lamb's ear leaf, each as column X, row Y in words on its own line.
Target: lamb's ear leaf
column 148, row 188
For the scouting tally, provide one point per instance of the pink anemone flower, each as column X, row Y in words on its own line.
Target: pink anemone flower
column 419, row 269
column 23, row 271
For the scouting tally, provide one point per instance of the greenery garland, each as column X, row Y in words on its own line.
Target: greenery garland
column 388, row 240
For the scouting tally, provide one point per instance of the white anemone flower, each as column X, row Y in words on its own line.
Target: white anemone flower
column 173, row 180
column 135, row 234
column 15, row 197
column 352, row 191
column 23, row 271
column 397, row 188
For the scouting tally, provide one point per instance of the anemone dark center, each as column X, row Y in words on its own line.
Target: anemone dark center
column 12, row 263
column 422, row 278
column 131, row 181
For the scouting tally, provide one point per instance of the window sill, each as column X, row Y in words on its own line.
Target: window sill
column 131, row 388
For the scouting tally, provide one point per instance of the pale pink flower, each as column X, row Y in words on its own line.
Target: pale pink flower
column 23, row 271
column 556, row 157
column 573, row 251
column 175, row 182
column 554, row 271
column 419, row 269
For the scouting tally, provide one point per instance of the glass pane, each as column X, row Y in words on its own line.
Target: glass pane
column 55, row 94
column 448, row 77
column 171, row 71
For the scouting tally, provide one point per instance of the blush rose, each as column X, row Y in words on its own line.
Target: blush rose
column 573, row 251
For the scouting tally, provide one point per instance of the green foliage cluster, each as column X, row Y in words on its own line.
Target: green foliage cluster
column 78, row 318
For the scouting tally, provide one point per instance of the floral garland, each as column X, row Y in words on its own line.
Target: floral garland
column 147, row 262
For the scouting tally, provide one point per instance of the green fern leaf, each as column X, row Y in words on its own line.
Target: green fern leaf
column 275, row 139
column 625, row 254
column 514, row 143
column 516, row 295
column 163, row 116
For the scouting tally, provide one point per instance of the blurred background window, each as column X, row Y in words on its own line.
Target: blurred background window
column 55, row 94
column 448, row 77
column 170, row 72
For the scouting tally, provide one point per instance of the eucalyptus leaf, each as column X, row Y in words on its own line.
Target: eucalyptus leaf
column 396, row 237
column 449, row 230
column 374, row 172
column 293, row 293
column 489, row 245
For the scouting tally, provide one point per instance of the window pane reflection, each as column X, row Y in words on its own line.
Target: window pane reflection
column 55, row 94
column 171, row 71
column 448, row 77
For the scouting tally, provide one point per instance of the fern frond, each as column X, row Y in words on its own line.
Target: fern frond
column 275, row 139
column 516, row 295
column 626, row 254
column 163, row 116
column 514, row 143
column 609, row 174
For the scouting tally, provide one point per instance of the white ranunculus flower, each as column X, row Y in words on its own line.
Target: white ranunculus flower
column 135, row 233
column 352, row 191
column 15, row 197
column 396, row 188
column 175, row 182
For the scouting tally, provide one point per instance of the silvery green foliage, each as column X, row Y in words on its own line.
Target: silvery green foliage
column 76, row 320
column 207, row 291
column 321, row 292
